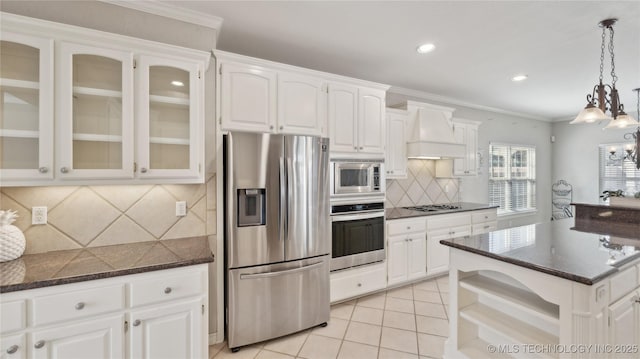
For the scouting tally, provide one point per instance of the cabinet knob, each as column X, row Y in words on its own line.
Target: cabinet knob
column 167, row 290
column 485, row 227
column 64, row 170
column 39, row 344
column 143, row 170
column 12, row 349
column 359, row 284
column 362, row 148
column 355, row 147
column 408, row 227
column 281, row 127
column 392, row 171
column 271, row 127
column 136, row 322
column 43, row 169
column 80, row 306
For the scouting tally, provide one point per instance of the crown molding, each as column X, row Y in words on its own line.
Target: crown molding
column 173, row 12
column 453, row 101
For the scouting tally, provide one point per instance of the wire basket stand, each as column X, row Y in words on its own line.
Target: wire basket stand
column 561, row 194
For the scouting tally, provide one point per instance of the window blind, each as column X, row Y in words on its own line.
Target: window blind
column 615, row 173
column 512, row 178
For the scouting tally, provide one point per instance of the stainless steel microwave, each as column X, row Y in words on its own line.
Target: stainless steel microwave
column 356, row 177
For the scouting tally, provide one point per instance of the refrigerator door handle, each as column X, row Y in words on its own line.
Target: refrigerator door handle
column 283, row 200
column 278, row 273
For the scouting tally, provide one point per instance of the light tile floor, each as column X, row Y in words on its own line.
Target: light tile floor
column 408, row 322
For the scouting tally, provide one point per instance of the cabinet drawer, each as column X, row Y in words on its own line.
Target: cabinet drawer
column 14, row 316
column 489, row 215
column 77, row 304
column 448, row 221
column 167, row 288
column 623, row 283
column 403, row 226
column 350, row 283
column 484, row 227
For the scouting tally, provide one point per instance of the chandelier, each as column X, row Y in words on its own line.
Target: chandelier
column 604, row 97
column 631, row 150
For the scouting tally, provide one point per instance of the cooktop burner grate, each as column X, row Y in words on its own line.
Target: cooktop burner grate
column 433, row 207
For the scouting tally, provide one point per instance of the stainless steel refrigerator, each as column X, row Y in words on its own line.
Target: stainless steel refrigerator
column 277, row 235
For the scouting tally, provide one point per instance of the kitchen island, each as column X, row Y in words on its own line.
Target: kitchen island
column 545, row 290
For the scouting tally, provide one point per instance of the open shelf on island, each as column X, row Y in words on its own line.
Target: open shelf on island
column 519, row 299
column 19, row 84
column 506, row 326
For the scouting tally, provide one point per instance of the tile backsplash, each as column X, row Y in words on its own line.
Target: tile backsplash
column 421, row 186
column 90, row 216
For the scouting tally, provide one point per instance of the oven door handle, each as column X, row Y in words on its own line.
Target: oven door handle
column 355, row 217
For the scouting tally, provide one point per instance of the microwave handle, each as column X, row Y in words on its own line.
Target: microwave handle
column 355, row 217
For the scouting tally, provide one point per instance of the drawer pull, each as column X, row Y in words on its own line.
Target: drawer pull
column 408, row 227
column 39, row 344
column 359, row 284
column 136, row 322
column 64, row 170
column 486, row 217
column 80, row 306
column 12, row 349
column 485, row 227
column 167, row 290
column 43, row 169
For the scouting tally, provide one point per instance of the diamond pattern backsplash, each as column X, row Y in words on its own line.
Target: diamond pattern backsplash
column 421, row 186
column 91, row 216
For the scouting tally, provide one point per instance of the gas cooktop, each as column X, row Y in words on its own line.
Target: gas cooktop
column 433, row 207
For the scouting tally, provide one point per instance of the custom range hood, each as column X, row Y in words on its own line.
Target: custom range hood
column 431, row 135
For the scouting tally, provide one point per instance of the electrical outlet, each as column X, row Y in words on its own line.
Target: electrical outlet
column 181, row 208
column 38, row 215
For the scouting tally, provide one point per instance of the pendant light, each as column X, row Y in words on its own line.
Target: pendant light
column 604, row 97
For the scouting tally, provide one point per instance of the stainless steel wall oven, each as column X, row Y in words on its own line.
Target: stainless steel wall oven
column 357, row 234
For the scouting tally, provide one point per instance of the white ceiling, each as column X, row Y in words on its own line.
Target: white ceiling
column 480, row 45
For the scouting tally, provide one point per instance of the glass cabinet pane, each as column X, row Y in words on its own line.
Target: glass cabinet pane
column 19, row 106
column 169, row 127
column 97, row 112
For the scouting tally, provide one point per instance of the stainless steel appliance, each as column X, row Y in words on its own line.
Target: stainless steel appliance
column 357, row 234
column 357, row 177
column 277, row 239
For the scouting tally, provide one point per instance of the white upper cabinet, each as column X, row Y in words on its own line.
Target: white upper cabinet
column 302, row 105
column 396, row 153
column 356, row 119
column 169, row 106
column 125, row 110
column 256, row 95
column 247, row 96
column 26, row 107
column 371, row 120
column 95, row 112
column 256, row 98
column 466, row 132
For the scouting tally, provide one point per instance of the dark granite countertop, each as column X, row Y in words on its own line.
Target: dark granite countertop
column 76, row 265
column 399, row 212
column 556, row 248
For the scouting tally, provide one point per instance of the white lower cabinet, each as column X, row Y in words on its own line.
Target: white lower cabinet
column 164, row 317
column 13, row 346
column 349, row 283
column 169, row 331
column 406, row 250
column 624, row 320
column 91, row 338
column 445, row 226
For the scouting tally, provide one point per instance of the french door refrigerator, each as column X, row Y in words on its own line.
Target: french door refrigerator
column 277, row 235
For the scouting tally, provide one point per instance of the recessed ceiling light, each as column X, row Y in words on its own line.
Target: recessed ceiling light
column 424, row 48
column 177, row 83
column 518, row 78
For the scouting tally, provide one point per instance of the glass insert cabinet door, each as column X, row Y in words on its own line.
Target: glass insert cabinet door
column 169, row 105
column 95, row 112
column 26, row 105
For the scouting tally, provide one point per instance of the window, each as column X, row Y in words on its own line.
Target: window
column 617, row 174
column 512, row 178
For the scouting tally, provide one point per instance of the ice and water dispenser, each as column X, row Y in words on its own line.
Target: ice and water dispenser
column 251, row 207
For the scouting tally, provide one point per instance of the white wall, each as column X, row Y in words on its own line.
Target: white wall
column 499, row 127
column 575, row 154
